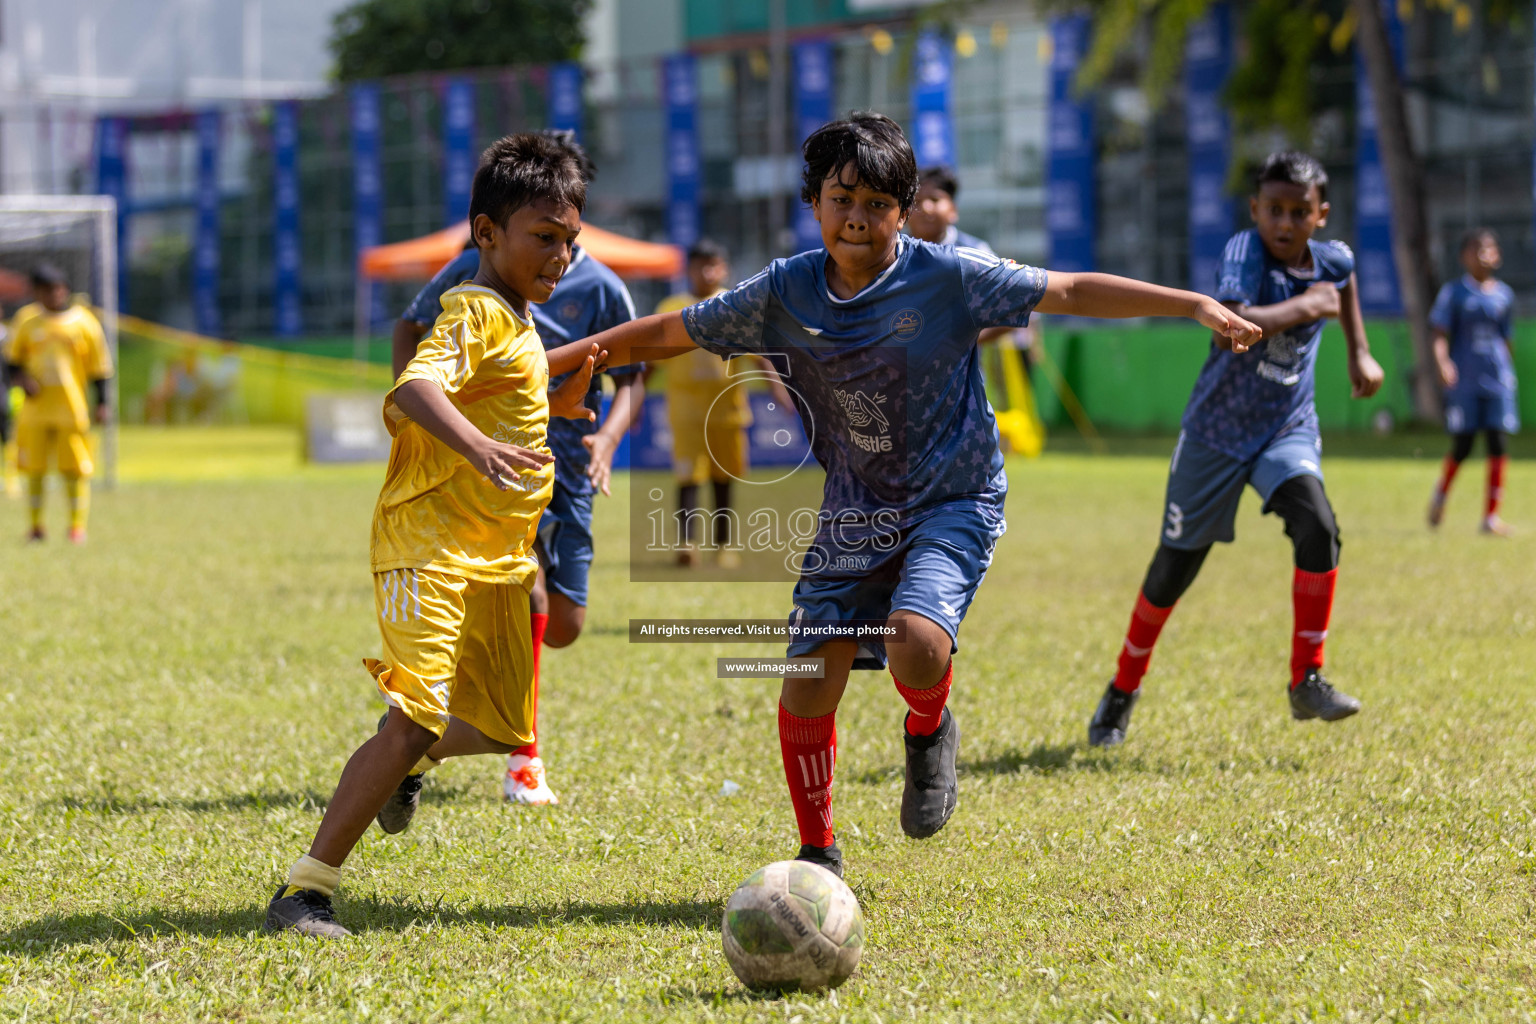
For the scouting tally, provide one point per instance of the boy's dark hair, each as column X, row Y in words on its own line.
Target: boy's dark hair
column 1294, row 167
column 874, row 145
column 707, row 250
column 567, row 138
column 516, row 170
column 47, row 275
column 1473, row 237
column 941, row 178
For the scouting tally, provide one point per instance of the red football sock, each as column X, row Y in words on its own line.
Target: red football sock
column 1146, row 623
column 1495, row 483
column 1448, row 470
column 1312, row 598
column 927, row 705
column 538, row 622
column 809, row 748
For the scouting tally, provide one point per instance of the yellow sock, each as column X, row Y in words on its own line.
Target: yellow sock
column 426, row 764
column 35, row 499
column 316, row 875
column 79, row 491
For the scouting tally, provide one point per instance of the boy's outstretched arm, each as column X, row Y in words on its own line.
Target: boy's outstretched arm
column 1320, row 301
column 1365, row 373
column 427, row 404
column 1111, row 297
column 660, row 336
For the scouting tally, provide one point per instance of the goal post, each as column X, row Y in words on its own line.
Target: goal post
column 79, row 235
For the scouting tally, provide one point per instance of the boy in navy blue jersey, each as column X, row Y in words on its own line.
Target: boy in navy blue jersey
column 590, row 298
column 878, row 332
column 934, row 216
column 1251, row 420
column 1473, row 321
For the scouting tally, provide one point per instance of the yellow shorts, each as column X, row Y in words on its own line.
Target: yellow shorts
column 718, row 454
column 37, row 444
column 455, row 647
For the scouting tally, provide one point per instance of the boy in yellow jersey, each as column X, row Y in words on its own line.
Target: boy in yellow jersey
column 453, row 532
column 57, row 354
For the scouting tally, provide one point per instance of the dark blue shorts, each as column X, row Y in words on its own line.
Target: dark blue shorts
column 1467, row 414
column 565, row 531
column 931, row 567
column 1205, row 486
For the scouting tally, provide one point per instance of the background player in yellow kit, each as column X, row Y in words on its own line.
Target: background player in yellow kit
column 453, row 532
column 57, row 355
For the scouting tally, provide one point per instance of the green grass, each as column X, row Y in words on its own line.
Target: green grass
column 181, row 693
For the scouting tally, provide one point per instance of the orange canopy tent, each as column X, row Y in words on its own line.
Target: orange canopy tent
column 419, row 258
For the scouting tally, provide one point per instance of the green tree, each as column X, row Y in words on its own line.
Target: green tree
column 375, row 38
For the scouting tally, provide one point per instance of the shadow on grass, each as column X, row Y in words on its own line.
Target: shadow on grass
column 1042, row 758
column 368, row 914
column 734, row 995
column 260, row 800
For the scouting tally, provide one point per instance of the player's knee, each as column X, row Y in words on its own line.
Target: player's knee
column 921, row 655
column 1496, row 444
column 400, row 731
column 1309, row 522
column 1461, row 446
column 1171, row 573
column 566, row 618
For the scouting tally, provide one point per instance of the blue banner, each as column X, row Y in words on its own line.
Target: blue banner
column 368, row 185
column 680, row 91
column 1208, row 137
column 459, row 159
column 565, row 103
column 933, row 131
column 1070, row 195
column 112, row 180
column 1375, row 270
column 813, row 108
column 205, row 236
column 287, row 294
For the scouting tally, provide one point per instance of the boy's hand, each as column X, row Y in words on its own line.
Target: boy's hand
column 500, row 462
column 600, row 469
column 1231, row 330
column 1324, row 300
column 1365, row 375
column 569, row 399
column 1448, row 374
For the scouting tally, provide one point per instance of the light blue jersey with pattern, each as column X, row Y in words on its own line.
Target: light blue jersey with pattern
column 590, row 298
column 888, row 383
column 1242, row 401
column 1478, row 324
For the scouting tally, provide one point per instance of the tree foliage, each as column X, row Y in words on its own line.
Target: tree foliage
column 374, row 38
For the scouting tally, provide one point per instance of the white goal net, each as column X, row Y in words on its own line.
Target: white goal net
column 77, row 234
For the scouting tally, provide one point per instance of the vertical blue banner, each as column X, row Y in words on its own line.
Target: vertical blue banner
column 205, row 237
column 1208, row 138
column 1375, row 271
column 813, row 108
column 1070, row 195
column 367, row 184
column 933, row 131
column 458, row 148
column 680, row 90
column 287, row 294
column 565, row 104
column 112, row 180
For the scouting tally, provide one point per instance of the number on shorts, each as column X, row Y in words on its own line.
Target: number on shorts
column 1175, row 522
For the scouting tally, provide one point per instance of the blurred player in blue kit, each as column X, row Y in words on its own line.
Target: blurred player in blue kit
column 1473, row 322
column 878, row 332
column 589, row 298
column 1251, row 421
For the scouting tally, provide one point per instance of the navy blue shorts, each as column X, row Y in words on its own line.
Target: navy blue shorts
column 565, row 531
column 931, row 567
column 1468, row 414
column 1205, row 486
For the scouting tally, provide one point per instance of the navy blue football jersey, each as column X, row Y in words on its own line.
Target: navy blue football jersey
column 590, row 298
column 1478, row 324
column 888, row 383
column 1242, row 401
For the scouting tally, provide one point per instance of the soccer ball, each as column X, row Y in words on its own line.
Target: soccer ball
column 793, row 925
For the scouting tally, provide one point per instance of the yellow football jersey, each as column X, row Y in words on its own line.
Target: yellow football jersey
column 696, row 379
column 436, row 511
column 63, row 352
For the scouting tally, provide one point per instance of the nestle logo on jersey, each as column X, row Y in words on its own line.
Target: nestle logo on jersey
column 906, row 324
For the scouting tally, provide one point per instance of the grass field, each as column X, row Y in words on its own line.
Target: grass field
column 181, row 694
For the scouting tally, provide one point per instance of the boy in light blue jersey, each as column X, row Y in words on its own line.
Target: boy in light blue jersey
column 1473, row 322
column 878, row 334
column 1251, row 421
column 590, row 298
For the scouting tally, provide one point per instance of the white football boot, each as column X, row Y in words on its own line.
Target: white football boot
column 525, row 783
